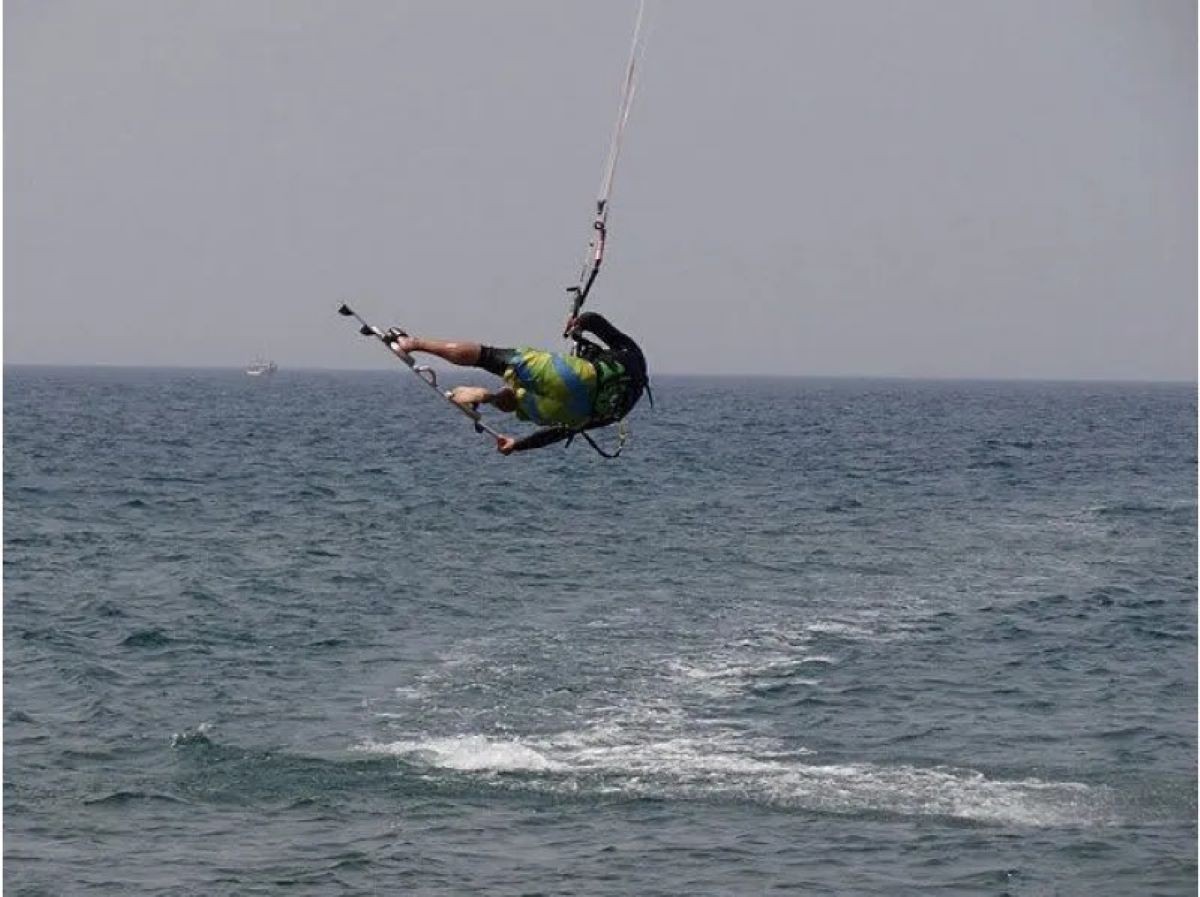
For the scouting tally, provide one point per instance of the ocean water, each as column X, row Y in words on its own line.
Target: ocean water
column 311, row 635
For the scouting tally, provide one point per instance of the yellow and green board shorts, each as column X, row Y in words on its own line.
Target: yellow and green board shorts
column 553, row 389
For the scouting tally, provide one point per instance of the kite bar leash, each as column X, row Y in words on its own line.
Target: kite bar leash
column 595, row 254
column 596, row 246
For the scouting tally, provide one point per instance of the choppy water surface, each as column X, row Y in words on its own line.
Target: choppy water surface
column 311, row 635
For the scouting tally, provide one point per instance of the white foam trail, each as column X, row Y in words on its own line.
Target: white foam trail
column 467, row 753
column 846, row 630
column 769, row 652
column 727, row 766
column 412, row 692
column 722, row 766
column 724, row 676
column 653, row 738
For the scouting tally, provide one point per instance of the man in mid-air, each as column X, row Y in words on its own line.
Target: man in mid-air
column 565, row 394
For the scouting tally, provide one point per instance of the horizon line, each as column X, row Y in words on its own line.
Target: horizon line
column 970, row 378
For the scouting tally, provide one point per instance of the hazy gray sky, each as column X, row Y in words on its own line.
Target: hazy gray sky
column 998, row 188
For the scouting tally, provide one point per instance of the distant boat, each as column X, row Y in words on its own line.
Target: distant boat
column 261, row 367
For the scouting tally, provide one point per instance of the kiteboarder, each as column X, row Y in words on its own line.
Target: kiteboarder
column 567, row 393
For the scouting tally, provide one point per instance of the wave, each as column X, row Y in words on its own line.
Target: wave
column 1182, row 509
column 147, row 638
column 125, row 797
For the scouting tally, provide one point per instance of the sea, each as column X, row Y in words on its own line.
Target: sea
column 311, row 634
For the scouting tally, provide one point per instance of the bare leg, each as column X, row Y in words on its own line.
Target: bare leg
column 474, row 396
column 470, row 396
column 464, row 354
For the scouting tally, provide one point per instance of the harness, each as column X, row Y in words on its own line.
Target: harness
column 618, row 389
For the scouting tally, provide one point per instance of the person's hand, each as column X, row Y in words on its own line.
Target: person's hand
column 505, row 445
column 400, row 342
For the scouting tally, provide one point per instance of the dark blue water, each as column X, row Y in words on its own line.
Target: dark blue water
column 310, row 635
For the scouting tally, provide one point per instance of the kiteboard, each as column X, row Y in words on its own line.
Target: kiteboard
column 423, row 372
